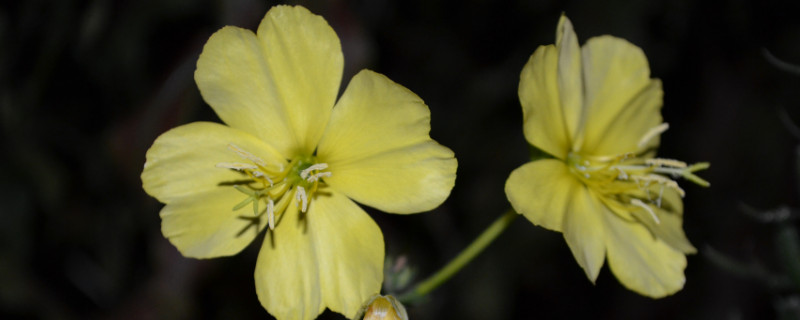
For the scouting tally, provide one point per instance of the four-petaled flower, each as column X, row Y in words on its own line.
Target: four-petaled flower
column 297, row 160
column 596, row 112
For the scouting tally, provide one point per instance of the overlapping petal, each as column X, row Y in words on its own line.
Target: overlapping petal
column 181, row 172
column 570, row 80
column 585, row 230
column 641, row 262
column 402, row 171
column 543, row 121
column 669, row 224
column 280, row 84
column 622, row 102
column 542, row 203
column 332, row 256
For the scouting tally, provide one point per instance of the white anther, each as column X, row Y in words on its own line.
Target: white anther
column 301, row 198
column 247, row 155
column 639, row 203
column 313, row 167
column 660, row 162
column 662, row 181
column 259, row 174
column 622, row 174
column 236, row 166
column 271, row 214
column 317, row 176
column 660, row 196
column 655, row 131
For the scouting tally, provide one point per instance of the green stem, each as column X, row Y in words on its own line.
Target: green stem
column 463, row 258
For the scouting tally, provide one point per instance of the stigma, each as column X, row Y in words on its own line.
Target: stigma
column 275, row 186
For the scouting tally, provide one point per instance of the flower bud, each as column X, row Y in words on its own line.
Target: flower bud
column 380, row 307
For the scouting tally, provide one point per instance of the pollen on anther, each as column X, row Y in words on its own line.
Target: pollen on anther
column 317, row 176
column 622, row 174
column 661, row 162
column 313, row 167
column 271, row 214
column 246, row 155
column 259, row 174
column 301, row 198
column 664, row 181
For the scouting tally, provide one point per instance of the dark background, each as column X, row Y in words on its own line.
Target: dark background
column 86, row 86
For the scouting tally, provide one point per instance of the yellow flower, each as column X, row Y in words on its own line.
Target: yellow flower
column 290, row 161
column 596, row 112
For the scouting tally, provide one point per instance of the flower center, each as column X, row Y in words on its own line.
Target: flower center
column 632, row 181
column 276, row 186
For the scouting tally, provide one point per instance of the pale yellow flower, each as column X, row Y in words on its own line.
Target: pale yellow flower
column 290, row 161
column 596, row 112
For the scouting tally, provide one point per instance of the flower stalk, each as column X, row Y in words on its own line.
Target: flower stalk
column 462, row 259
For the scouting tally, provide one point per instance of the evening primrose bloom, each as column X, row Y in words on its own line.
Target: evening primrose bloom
column 596, row 112
column 290, row 162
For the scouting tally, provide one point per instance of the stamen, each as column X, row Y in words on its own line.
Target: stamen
column 247, row 155
column 639, row 203
column 622, row 174
column 662, row 181
column 271, row 214
column 301, row 198
column 317, row 176
column 660, row 162
column 236, row 166
column 313, row 167
column 657, row 130
column 259, row 174
column 277, row 188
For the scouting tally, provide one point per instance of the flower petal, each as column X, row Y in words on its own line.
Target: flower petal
column 543, row 121
column 669, row 226
column 623, row 103
column 279, row 85
column 570, row 78
column 642, row 263
column 541, row 191
column 379, row 151
column 332, row 256
column 180, row 171
column 585, row 231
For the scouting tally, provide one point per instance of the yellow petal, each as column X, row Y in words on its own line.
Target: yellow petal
column 585, row 231
column 330, row 257
column 378, row 148
column 543, row 121
column 669, row 226
column 642, row 263
column 542, row 191
column 205, row 226
column 181, row 171
column 623, row 103
column 570, row 78
column 279, row 85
